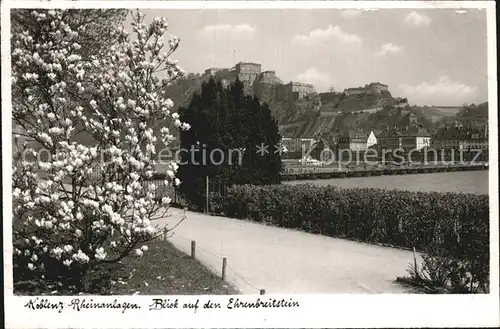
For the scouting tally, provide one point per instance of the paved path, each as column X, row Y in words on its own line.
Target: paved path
column 288, row 261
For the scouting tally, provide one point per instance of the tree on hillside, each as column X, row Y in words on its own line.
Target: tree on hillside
column 402, row 101
column 71, row 222
column 476, row 115
column 232, row 128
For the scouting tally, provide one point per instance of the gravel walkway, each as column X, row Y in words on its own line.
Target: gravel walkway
column 288, row 261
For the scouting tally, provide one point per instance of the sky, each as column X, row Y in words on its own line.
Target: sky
column 431, row 56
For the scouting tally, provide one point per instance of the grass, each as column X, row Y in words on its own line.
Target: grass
column 420, row 286
column 162, row 270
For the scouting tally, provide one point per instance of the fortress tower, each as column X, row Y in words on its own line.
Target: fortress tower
column 248, row 72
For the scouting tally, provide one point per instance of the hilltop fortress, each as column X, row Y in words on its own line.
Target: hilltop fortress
column 372, row 88
column 264, row 84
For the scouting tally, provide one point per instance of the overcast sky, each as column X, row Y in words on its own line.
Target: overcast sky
column 433, row 57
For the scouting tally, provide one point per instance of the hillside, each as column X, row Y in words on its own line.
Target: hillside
column 437, row 113
column 297, row 117
column 324, row 113
column 473, row 115
column 182, row 90
column 321, row 123
column 329, row 112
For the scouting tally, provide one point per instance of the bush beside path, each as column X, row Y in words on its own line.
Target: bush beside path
column 450, row 229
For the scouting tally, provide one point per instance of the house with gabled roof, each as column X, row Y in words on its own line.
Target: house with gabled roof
column 457, row 137
column 356, row 140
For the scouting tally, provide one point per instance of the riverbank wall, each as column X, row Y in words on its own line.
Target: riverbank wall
column 312, row 173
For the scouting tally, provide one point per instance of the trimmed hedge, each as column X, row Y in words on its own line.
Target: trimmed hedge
column 451, row 225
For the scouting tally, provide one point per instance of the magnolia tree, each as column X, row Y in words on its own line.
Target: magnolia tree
column 66, row 216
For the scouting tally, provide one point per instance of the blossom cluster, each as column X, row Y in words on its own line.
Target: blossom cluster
column 117, row 98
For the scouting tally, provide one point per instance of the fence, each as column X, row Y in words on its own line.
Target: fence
column 215, row 187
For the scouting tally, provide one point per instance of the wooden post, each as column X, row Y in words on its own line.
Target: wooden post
column 207, row 196
column 224, row 266
column 193, row 249
column 415, row 261
column 262, row 291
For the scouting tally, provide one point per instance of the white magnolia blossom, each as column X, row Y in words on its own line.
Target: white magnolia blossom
column 87, row 204
column 100, row 254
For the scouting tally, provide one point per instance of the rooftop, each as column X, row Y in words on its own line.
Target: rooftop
column 408, row 131
column 417, row 132
column 269, row 77
column 356, row 88
column 354, row 133
column 389, row 133
column 252, row 63
column 300, row 84
column 377, row 83
column 459, row 133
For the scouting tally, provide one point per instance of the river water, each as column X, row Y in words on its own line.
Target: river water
column 462, row 181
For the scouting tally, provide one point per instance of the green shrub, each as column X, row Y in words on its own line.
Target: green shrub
column 447, row 226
